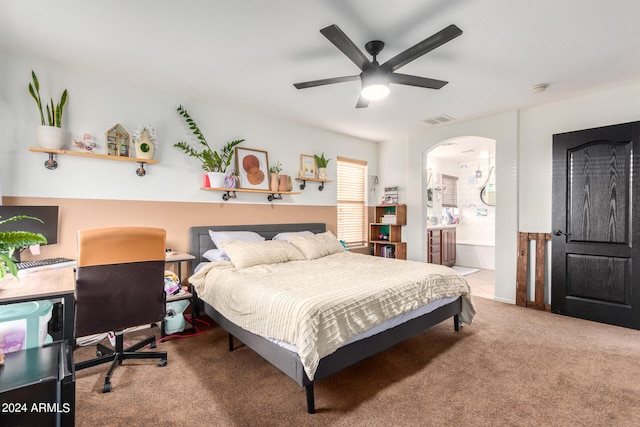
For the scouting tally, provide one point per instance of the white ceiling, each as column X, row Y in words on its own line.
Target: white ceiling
column 250, row 52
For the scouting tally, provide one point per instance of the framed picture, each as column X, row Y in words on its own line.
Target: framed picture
column 307, row 166
column 253, row 168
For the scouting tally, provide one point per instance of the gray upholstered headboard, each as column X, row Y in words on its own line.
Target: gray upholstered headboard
column 200, row 241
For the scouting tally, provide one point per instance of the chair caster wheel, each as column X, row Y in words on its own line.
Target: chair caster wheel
column 98, row 353
column 162, row 362
column 106, row 388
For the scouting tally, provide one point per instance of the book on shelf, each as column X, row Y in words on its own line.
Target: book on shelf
column 388, row 219
column 388, row 251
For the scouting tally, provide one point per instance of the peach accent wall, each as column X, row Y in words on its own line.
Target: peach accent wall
column 175, row 217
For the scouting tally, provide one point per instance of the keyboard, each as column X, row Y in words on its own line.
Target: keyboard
column 45, row 264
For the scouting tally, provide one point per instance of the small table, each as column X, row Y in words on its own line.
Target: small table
column 179, row 258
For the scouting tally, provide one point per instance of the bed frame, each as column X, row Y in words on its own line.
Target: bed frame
column 289, row 362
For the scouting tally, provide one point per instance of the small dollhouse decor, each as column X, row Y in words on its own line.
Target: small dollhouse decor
column 118, row 141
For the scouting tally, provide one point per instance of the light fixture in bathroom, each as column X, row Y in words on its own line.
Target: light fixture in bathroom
column 478, row 171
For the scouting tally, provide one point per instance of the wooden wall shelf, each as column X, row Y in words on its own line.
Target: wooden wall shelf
column 230, row 193
column 304, row 182
column 52, row 164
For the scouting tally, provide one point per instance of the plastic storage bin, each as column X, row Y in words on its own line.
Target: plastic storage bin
column 24, row 325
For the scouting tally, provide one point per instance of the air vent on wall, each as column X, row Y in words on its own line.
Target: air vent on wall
column 442, row 118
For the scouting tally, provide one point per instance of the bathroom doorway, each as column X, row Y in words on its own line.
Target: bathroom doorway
column 464, row 168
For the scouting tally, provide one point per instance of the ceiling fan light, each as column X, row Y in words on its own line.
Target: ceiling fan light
column 375, row 92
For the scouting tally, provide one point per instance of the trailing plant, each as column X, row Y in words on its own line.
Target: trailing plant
column 54, row 111
column 321, row 161
column 211, row 160
column 10, row 240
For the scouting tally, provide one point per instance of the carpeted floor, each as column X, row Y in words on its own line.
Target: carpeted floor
column 513, row 367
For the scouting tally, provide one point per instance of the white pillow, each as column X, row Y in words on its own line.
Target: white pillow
column 318, row 245
column 215, row 255
column 218, row 237
column 287, row 236
column 247, row 254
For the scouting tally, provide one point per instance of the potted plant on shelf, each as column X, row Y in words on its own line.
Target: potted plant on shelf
column 321, row 163
column 10, row 240
column 275, row 170
column 50, row 133
column 144, row 142
column 214, row 163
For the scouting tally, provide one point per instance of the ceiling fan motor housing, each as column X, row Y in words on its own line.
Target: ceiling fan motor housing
column 374, row 47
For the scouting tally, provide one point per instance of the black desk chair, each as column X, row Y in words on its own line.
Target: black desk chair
column 120, row 284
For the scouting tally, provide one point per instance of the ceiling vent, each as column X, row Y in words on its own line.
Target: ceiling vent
column 442, row 118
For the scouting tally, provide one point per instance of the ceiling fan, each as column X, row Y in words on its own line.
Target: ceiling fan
column 375, row 78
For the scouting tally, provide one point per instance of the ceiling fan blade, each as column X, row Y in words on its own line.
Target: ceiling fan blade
column 405, row 79
column 362, row 102
column 426, row 45
column 323, row 82
column 346, row 46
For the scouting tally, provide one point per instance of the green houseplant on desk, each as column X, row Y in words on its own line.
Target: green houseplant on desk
column 11, row 240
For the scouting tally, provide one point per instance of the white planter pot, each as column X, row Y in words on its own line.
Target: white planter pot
column 50, row 137
column 322, row 173
column 216, row 179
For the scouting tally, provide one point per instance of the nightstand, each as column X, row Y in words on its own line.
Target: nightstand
column 179, row 258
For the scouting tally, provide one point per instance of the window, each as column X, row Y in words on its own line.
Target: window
column 449, row 191
column 352, row 201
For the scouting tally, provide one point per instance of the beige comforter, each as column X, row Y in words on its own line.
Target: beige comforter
column 318, row 305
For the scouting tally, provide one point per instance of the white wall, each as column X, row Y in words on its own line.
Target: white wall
column 392, row 163
column 523, row 167
column 96, row 103
column 537, row 127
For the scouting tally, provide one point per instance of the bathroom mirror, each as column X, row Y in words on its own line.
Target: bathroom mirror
column 488, row 194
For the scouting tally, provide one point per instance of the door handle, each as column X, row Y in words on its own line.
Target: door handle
column 559, row 232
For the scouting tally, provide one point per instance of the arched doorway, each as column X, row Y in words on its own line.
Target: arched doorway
column 468, row 163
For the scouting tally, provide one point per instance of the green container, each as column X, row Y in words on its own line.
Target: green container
column 24, row 325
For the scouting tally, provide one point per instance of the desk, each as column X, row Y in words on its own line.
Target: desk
column 37, row 387
column 56, row 283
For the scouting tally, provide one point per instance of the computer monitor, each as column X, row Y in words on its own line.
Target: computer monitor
column 48, row 227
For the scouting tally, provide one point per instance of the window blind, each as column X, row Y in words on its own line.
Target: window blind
column 449, row 191
column 352, row 196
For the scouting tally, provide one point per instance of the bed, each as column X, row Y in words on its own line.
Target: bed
column 307, row 368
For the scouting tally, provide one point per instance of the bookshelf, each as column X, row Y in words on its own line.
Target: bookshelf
column 385, row 235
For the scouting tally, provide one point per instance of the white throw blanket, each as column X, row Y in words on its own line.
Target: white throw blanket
column 318, row 305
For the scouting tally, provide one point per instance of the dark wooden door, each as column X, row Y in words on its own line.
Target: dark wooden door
column 595, row 236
